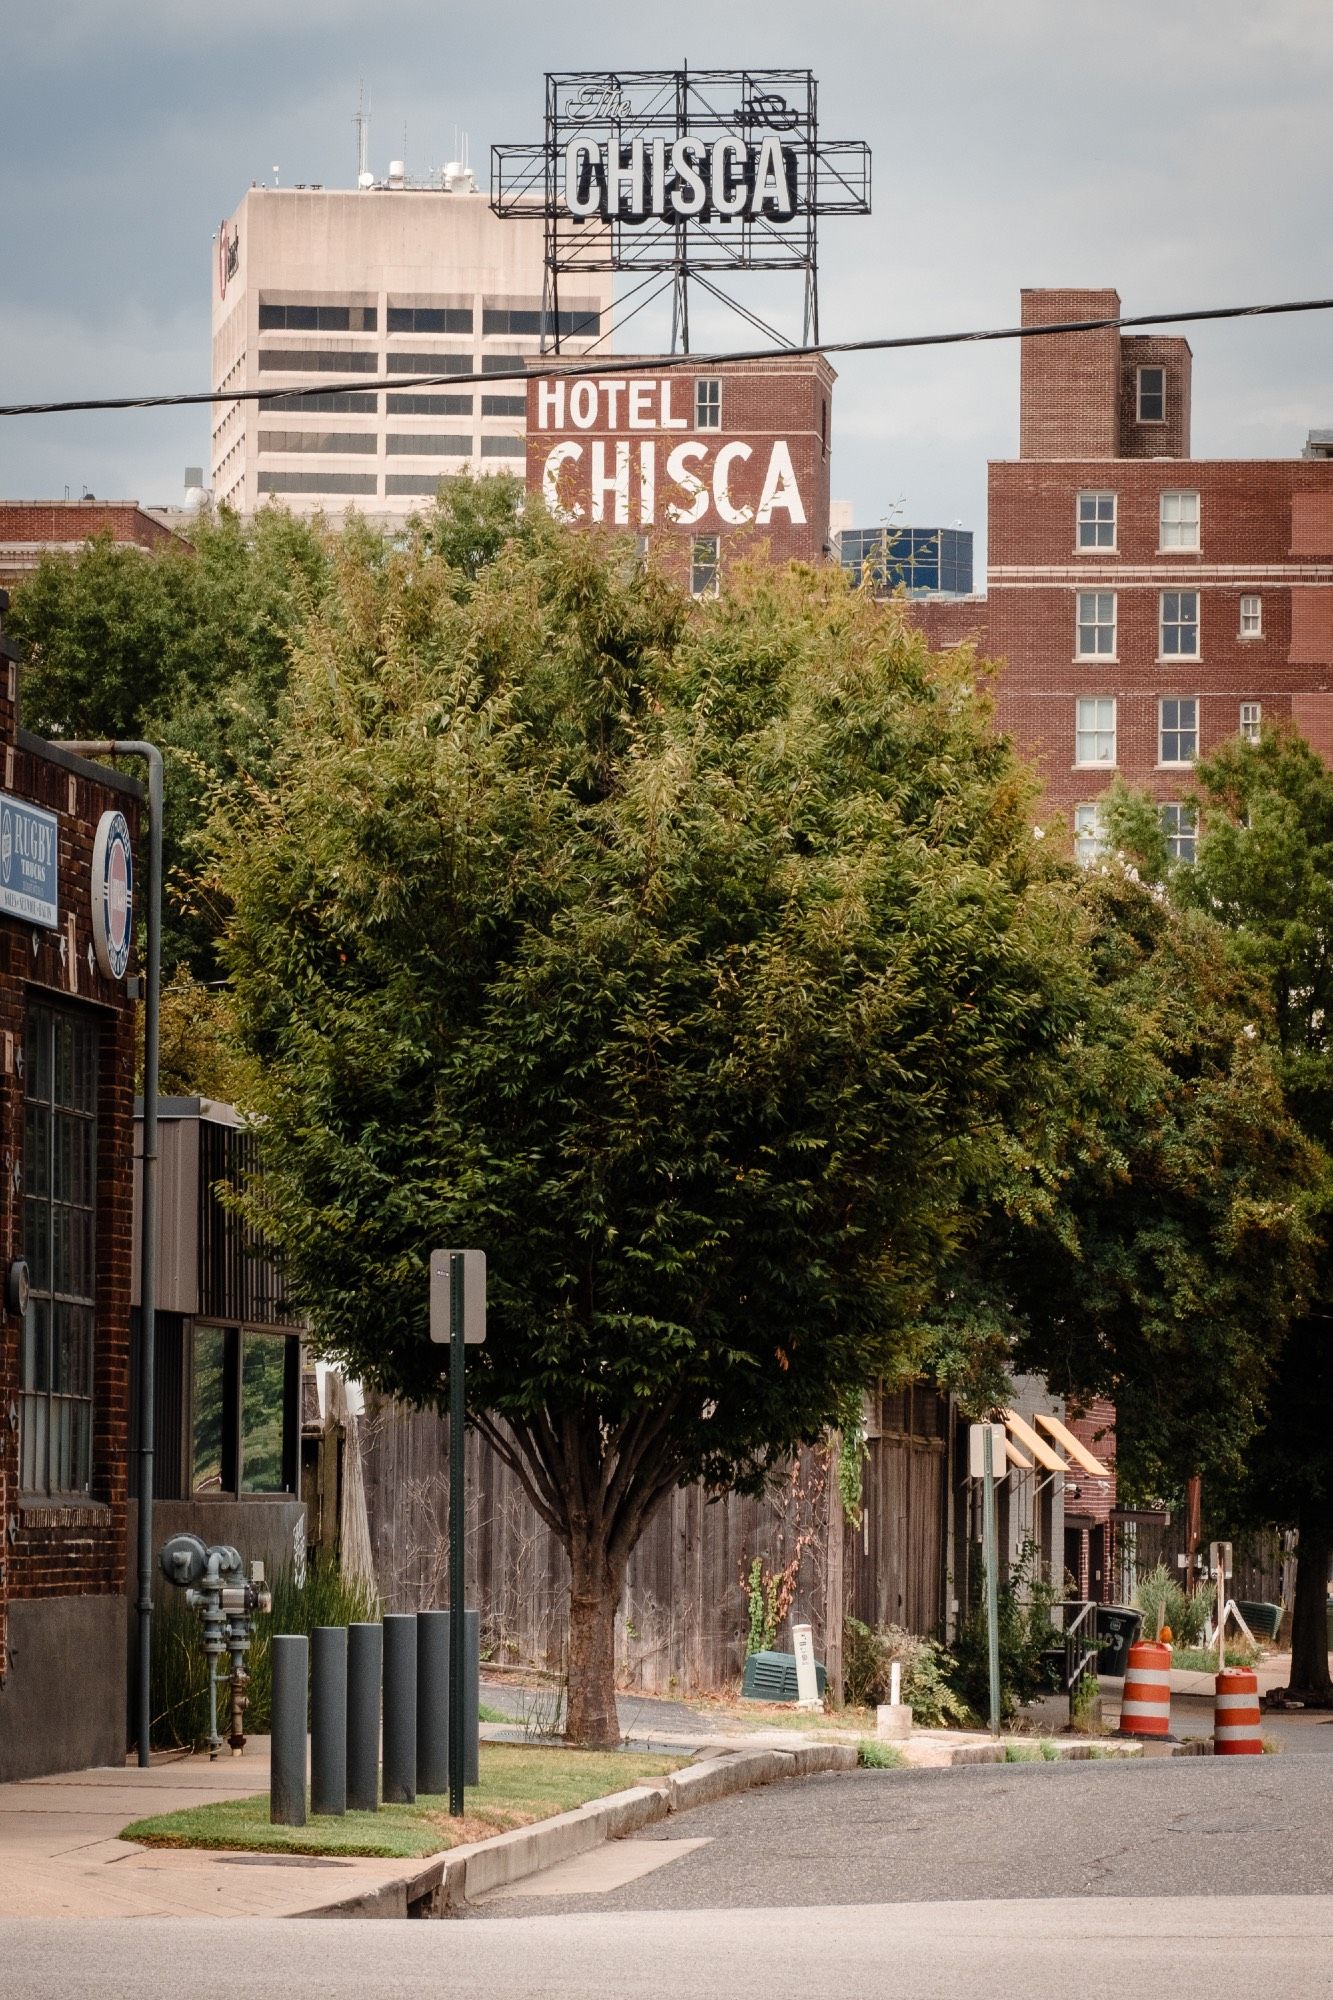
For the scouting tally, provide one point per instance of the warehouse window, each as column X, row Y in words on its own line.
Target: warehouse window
column 332, row 402
column 362, row 441
column 318, row 360
column 429, row 444
column 1177, row 730
column 504, row 406
column 277, row 316
column 1180, row 824
column 316, row 482
column 1096, row 624
column 429, row 364
column 1152, row 395
column 1178, row 521
column 708, row 403
column 705, row 566
column 59, row 1214
column 1094, row 730
column 1179, row 625
column 504, row 447
column 1096, row 520
column 1251, row 617
column 429, row 319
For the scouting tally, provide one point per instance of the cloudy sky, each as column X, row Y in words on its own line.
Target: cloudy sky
column 1182, row 152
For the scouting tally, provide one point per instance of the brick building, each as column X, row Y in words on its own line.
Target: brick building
column 1146, row 604
column 30, row 529
column 701, row 467
column 66, row 1135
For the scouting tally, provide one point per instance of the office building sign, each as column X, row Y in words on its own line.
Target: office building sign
column 29, row 862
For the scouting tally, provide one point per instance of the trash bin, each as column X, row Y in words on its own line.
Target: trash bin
column 1117, row 1629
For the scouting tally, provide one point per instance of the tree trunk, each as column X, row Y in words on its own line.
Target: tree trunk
column 595, row 1585
column 1309, row 1619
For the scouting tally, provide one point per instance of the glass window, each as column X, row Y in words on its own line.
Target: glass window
column 429, row 319
column 412, row 482
column 504, row 447
column 516, row 320
column 504, row 406
column 277, row 317
column 708, row 403
column 318, row 360
column 332, row 441
column 210, row 1415
column 1094, row 729
column 704, row 566
column 1180, row 824
column 317, row 482
column 1096, row 624
column 1251, row 721
column 420, row 404
column 1178, row 521
column 429, row 444
column 1096, row 520
column 1152, row 395
column 1179, row 628
column 59, row 1215
column 263, row 1386
column 331, row 402
column 1251, row 617
column 1089, row 834
column 429, row 364
column 1177, row 731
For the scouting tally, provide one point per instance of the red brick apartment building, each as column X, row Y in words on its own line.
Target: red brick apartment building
column 66, row 1137
column 30, row 529
column 1146, row 604
column 701, row 468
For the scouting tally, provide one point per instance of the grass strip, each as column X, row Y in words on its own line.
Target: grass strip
column 518, row 1786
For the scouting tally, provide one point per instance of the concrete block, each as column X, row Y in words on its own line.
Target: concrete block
column 811, row 1758
column 893, row 1721
column 700, row 1784
column 979, row 1753
column 625, row 1812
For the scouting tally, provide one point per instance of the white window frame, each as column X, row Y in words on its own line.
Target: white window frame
column 1095, row 601
column 708, row 402
column 1089, row 833
column 1096, row 521
column 1098, row 707
column 1251, row 721
column 1251, row 616
column 1184, row 829
column 1152, row 368
column 1178, row 623
column 1178, row 523
column 1178, row 728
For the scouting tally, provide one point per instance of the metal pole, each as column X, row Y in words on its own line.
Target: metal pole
column 472, row 1700
column 147, row 1216
column 433, row 1728
column 365, row 1667
column 990, row 1540
column 286, row 1790
column 400, row 1708
column 457, row 1582
column 328, row 1721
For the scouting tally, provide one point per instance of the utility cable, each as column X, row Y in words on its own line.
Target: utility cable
column 549, row 364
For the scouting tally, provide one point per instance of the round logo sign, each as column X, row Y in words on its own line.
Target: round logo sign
column 113, row 894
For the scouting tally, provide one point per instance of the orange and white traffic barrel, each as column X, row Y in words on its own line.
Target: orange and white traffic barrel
column 1145, row 1709
column 1236, row 1714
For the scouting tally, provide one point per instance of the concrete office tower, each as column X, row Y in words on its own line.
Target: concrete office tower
column 318, row 285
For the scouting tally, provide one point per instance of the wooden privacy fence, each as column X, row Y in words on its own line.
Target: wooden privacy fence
column 684, row 1619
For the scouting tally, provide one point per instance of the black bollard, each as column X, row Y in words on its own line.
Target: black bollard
column 400, row 1708
column 432, row 1701
column 291, row 1654
column 328, row 1720
column 365, row 1658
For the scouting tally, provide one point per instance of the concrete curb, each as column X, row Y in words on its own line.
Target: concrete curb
column 448, row 1882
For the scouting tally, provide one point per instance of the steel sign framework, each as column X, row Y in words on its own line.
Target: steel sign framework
column 686, row 173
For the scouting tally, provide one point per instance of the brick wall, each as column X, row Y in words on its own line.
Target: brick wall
column 30, row 527
column 1171, row 437
column 56, row 1548
column 1070, row 383
column 600, row 451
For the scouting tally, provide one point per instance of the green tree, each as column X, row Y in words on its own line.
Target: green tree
column 1265, row 871
column 692, row 960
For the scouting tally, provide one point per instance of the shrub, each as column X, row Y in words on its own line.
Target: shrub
column 868, row 1658
column 1028, row 1640
column 179, row 1686
column 1162, row 1601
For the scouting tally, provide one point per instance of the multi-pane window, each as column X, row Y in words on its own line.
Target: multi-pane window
column 1089, row 835
column 1096, row 624
column 334, row 441
column 1152, row 395
column 1179, row 625
column 1180, row 824
column 282, row 316
column 1251, row 719
column 242, row 1411
column 1094, row 729
column 59, row 1209
column 430, row 319
column 1096, row 520
column 1251, row 617
column 708, row 403
column 1178, row 521
column 414, row 403
column 704, row 566
column 1177, row 730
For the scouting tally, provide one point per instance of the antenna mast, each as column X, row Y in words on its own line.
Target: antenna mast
column 362, row 123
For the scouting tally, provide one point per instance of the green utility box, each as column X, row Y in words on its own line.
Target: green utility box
column 1262, row 1619
column 772, row 1677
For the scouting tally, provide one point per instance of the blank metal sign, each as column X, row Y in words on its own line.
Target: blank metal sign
column 474, row 1295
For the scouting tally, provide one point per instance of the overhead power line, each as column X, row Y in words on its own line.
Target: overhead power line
column 556, row 364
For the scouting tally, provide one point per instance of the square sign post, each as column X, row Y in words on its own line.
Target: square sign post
column 986, row 1461
column 458, row 1317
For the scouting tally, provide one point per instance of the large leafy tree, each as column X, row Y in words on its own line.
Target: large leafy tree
column 1265, row 872
column 692, row 960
